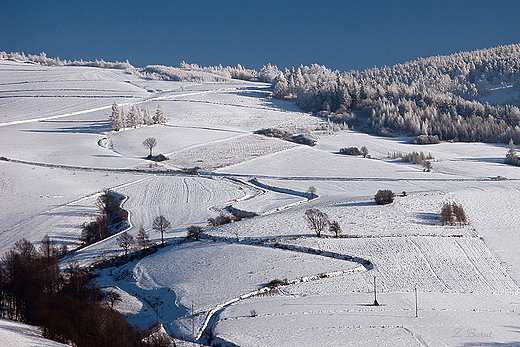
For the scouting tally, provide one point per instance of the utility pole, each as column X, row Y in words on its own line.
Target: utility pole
column 416, row 305
column 375, row 293
column 192, row 321
column 157, row 310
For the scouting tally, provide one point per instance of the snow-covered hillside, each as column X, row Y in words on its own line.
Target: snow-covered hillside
column 61, row 154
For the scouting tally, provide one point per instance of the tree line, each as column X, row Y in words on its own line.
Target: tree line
column 432, row 96
column 135, row 117
column 437, row 97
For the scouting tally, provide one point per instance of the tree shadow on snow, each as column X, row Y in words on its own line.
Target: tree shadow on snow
column 427, row 218
column 97, row 127
column 483, row 160
column 492, row 344
column 357, row 203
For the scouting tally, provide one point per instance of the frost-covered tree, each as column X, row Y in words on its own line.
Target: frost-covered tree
column 147, row 118
column 159, row 115
column 115, row 118
column 139, row 117
column 122, row 117
column 269, row 73
column 281, row 87
column 511, row 157
column 364, row 151
column 132, row 117
column 150, row 143
column 435, row 97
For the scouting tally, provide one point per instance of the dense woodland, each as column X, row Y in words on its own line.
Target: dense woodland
column 68, row 306
column 432, row 96
column 429, row 96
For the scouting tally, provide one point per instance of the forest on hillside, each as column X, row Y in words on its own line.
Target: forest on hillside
column 437, row 96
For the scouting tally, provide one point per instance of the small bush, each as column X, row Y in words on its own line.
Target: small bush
column 161, row 157
column 276, row 283
column 426, row 140
column 221, row 219
column 384, row 197
column 350, row 151
column 304, row 139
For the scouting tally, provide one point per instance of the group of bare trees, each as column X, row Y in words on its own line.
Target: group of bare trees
column 318, row 221
column 68, row 306
column 135, row 117
column 142, row 241
column 452, row 214
column 110, row 217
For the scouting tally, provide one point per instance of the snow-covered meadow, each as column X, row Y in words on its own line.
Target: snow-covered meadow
column 62, row 153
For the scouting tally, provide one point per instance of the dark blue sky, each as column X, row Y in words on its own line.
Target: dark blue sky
column 342, row 35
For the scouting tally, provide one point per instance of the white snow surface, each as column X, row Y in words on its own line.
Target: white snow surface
column 23, row 335
column 54, row 129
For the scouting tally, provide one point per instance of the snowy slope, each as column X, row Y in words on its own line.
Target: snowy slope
column 23, row 335
column 54, row 127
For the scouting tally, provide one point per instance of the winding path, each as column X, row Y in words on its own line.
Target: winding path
column 364, row 265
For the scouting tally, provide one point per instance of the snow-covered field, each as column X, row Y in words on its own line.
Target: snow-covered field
column 54, row 129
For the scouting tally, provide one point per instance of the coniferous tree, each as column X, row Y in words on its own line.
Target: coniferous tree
column 139, row 117
column 115, row 118
column 122, row 117
column 511, row 157
column 132, row 117
column 159, row 115
column 147, row 117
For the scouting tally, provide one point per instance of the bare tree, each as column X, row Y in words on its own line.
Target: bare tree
column 194, row 232
column 111, row 298
column 150, row 143
column 143, row 239
column 447, row 214
column 160, row 224
column 311, row 191
column 317, row 220
column 125, row 241
column 335, row 228
column 460, row 215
